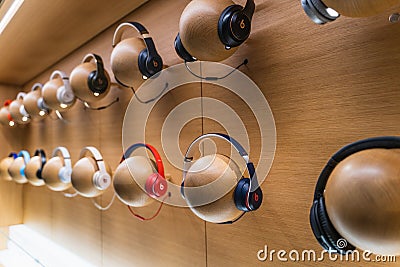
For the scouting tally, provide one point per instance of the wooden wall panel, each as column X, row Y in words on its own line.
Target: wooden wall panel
column 326, row 85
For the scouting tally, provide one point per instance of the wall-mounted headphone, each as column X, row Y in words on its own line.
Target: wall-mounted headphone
column 65, row 95
column 17, row 167
column 5, row 164
column 43, row 160
column 57, row 92
column 34, row 103
column 318, row 12
column 321, row 225
column 101, row 178
column 248, row 194
column 56, row 173
column 5, row 116
column 149, row 61
column 234, row 27
column 156, row 185
column 97, row 81
column 17, row 109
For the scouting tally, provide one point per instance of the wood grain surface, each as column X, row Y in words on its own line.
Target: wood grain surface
column 326, row 85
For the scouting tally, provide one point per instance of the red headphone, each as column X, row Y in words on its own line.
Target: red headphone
column 10, row 119
column 156, row 185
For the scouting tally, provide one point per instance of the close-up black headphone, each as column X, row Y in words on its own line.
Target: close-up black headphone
column 321, row 225
column 43, row 160
column 149, row 61
column 248, row 195
column 234, row 27
column 97, row 80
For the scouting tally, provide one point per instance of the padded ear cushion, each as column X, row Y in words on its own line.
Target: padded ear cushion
column 181, row 51
column 328, row 229
column 316, row 226
column 241, row 194
column 321, row 8
column 225, row 33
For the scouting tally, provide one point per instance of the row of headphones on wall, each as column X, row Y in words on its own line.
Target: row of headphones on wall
column 222, row 24
column 138, row 180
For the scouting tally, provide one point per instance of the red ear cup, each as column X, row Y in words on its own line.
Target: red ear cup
column 156, row 185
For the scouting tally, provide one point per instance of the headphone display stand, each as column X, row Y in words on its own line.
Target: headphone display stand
column 211, row 78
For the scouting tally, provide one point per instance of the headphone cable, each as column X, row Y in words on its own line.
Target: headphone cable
column 215, row 78
column 87, row 105
column 152, row 217
column 103, row 208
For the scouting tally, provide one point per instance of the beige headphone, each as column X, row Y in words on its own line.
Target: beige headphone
column 17, row 110
column 34, row 103
column 89, row 80
column 57, row 171
column 57, row 92
column 91, row 175
column 5, row 165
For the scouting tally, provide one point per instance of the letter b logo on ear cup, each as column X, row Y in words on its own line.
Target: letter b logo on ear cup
column 149, row 66
column 97, row 82
column 156, row 185
column 234, row 26
column 240, row 196
column 101, row 180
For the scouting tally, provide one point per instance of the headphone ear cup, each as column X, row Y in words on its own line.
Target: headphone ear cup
column 181, row 51
column 39, row 173
column 64, row 174
column 240, row 194
column 156, row 185
column 142, row 62
column 316, row 226
column 328, row 229
column 22, row 171
column 97, row 82
column 65, row 96
column 233, row 26
column 101, row 180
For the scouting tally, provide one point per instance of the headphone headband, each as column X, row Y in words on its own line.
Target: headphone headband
column 385, row 142
column 63, row 76
column 249, row 8
column 239, row 148
column 37, row 86
column 143, row 32
column 42, row 154
column 65, row 155
column 153, row 150
column 97, row 59
column 20, row 95
column 25, row 155
column 96, row 155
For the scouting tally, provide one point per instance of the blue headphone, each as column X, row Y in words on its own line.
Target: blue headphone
column 24, row 154
column 248, row 194
column 13, row 155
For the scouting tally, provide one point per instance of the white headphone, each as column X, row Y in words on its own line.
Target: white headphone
column 22, row 109
column 65, row 95
column 101, row 178
column 40, row 103
column 64, row 174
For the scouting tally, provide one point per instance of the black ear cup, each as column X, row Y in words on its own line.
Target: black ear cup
column 240, row 196
column 316, row 226
column 233, row 26
column 97, row 82
column 149, row 66
column 328, row 237
column 39, row 173
column 181, row 51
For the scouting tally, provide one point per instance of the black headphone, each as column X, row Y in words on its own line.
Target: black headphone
column 321, row 225
column 97, row 80
column 317, row 11
column 42, row 154
column 149, row 61
column 234, row 27
column 248, row 195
